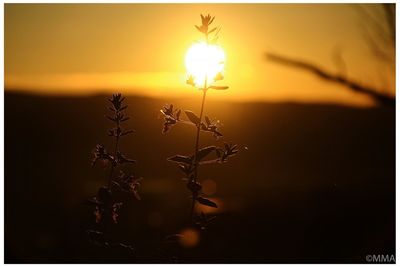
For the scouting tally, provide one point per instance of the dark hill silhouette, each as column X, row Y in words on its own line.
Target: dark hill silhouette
column 315, row 184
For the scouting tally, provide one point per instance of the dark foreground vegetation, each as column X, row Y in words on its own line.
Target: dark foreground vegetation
column 312, row 183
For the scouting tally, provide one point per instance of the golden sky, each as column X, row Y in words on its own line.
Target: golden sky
column 140, row 49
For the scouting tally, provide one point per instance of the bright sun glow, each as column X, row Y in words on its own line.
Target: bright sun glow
column 204, row 60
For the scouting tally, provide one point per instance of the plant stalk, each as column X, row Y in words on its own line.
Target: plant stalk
column 112, row 165
column 196, row 149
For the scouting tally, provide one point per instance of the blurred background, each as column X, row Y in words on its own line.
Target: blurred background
column 311, row 105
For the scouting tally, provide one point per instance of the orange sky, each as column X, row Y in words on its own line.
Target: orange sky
column 140, row 48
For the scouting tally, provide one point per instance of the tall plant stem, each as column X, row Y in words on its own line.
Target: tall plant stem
column 196, row 149
column 112, row 165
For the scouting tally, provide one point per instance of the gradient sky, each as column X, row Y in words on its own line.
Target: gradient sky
column 140, row 48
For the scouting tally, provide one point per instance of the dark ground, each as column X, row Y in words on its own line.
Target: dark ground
column 317, row 183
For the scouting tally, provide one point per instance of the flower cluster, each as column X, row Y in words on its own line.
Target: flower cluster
column 211, row 126
column 205, row 23
column 171, row 117
column 229, row 150
column 100, row 153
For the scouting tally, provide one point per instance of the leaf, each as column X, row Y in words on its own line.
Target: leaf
column 178, row 114
column 180, row 159
column 202, row 153
column 219, row 77
column 211, row 21
column 217, row 134
column 211, row 161
column 219, row 87
column 127, row 132
column 212, row 30
column 192, row 117
column 206, row 202
column 110, row 118
column 190, row 81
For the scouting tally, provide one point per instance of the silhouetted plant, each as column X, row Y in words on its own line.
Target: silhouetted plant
column 189, row 164
column 106, row 204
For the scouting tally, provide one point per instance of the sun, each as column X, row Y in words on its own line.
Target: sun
column 203, row 62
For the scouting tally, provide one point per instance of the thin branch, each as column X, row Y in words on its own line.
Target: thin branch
column 381, row 98
column 197, row 146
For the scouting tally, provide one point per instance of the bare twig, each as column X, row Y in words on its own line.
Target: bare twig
column 381, row 98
